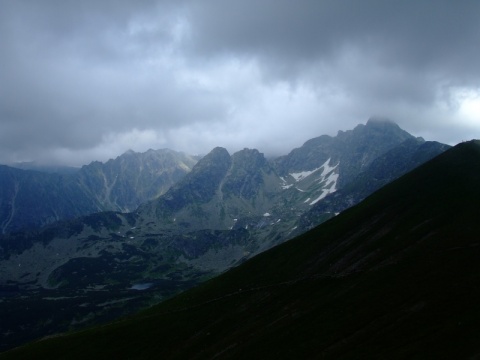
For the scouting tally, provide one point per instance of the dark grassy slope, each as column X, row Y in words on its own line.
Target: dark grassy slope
column 397, row 276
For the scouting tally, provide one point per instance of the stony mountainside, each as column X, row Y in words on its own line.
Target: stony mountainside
column 261, row 203
column 382, row 170
column 394, row 277
column 219, row 190
column 223, row 191
column 272, row 199
column 225, row 210
column 351, row 151
column 123, row 183
column 31, row 199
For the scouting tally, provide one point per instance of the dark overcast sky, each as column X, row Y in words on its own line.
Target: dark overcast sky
column 87, row 80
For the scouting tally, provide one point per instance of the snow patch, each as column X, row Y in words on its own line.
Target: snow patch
column 327, row 168
column 332, row 181
column 303, row 174
column 266, row 214
column 330, row 178
column 140, row 287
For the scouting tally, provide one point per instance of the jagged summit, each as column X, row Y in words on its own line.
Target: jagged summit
column 216, row 161
column 251, row 158
column 376, row 120
column 217, row 152
column 383, row 124
column 353, row 149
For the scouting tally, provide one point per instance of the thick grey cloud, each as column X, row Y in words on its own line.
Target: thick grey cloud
column 405, row 34
column 87, row 80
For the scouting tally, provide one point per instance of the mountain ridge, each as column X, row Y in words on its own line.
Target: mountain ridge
column 395, row 276
column 32, row 199
column 227, row 209
column 373, row 138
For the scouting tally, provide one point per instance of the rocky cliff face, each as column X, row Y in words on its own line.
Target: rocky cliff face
column 219, row 189
column 122, row 184
column 384, row 169
column 351, row 150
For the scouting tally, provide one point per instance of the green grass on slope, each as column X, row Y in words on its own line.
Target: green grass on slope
column 395, row 277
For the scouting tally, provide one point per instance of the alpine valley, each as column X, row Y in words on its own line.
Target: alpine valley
column 172, row 221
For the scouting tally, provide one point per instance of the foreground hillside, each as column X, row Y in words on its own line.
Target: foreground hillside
column 396, row 276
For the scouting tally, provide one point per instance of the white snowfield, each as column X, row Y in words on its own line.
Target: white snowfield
column 332, row 181
column 327, row 168
column 328, row 177
column 302, row 175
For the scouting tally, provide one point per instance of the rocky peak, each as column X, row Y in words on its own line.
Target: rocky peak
column 248, row 159
column 246, row 174
column 123, row 183
column 217, row 160
column 353, row 149
column 129, row 152
column 380, row 121
column 201, row 184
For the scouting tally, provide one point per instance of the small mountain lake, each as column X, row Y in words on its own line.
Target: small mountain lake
column 143, row 286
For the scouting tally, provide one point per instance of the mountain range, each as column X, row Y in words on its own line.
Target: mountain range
column 223, row 211
column 32, row 198
column 395, row 276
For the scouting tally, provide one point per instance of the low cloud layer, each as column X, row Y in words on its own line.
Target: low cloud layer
column 83, row 81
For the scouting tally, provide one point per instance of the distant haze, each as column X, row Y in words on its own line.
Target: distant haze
column 88, row 80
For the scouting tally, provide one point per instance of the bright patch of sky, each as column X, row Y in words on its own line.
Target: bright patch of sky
column 469, row 107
